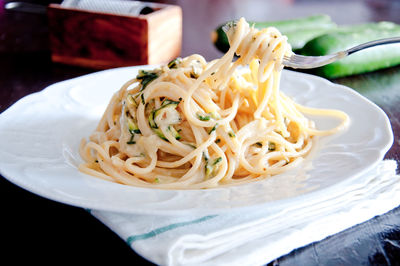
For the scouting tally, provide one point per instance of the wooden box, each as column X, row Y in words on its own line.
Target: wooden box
column 102, row 40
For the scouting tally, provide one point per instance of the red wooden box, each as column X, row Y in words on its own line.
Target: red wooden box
column 102, row 40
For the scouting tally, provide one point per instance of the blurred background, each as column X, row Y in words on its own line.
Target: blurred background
column 25, row 57
column 25, row 32
column 196, row 34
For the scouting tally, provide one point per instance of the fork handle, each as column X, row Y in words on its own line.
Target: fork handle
column 372, row 43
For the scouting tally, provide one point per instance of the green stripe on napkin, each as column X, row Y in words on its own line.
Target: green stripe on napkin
column 166, row 228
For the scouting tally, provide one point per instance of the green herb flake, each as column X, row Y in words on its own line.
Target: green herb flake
column 194, row 75
column 231, row 134
column 211, row 168
column 131, row 141
column 271, row 146
column 216, row 161
column 206, row 156
column 134, row 131
column 203, row 117
column 208, row 170
column 196, row 70
column 142, row 97
column 174, row 63
column 213, row 129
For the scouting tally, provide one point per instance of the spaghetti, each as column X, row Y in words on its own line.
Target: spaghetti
column 196, row 124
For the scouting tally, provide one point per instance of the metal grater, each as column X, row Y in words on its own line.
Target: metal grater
column 116, row 7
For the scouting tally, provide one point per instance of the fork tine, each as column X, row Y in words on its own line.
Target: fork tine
column 299, row 61
column 306, row 62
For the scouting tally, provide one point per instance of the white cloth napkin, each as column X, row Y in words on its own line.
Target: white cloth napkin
column 256, row 237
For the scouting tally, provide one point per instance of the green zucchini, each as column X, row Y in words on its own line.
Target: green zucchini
column 155, row 127
column 131, row 100
column 259, row 144
column 133, row 129
column 132, row 126
column 298, row 31
column 211, row 168
column 174, row 132
column 159, row 133
column 152, row 116
column 346, row 37
column 170, row 103
column 271, row 146
column 147, row 76
column 175, row 63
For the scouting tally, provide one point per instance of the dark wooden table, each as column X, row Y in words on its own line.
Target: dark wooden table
column 34, row 229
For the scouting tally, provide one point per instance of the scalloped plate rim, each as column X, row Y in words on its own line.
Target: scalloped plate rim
column 275, row 204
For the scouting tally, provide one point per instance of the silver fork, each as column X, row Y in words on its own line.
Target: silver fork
column 304, row 62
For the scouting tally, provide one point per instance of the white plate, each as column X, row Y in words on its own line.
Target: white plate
column 40, row 135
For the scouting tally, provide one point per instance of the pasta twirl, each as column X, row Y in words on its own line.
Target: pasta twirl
column 196, row 124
